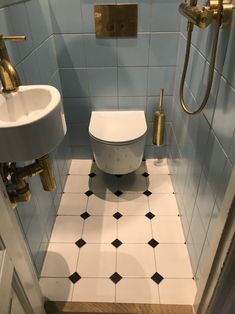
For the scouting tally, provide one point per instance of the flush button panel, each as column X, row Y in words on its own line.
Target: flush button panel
column 116, row 20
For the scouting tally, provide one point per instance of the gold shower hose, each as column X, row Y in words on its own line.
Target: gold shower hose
column 211, row 66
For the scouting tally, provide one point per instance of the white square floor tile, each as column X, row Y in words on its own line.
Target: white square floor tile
column 94, row 290
column 137, row 290
column 173, row 261
column 100, row 229
column 132, row 183
column 77, row 184
column 57, row 289
column 97, row 260
column 157, row 166
column 61, row 260
column 81, row 166
column 177, row 291
column 142, row 168
column 160, row 183
column 102, row 204
column 163, row 204
column 136, row 260
column 104, row 183
column 67, row 229
column 134, row 229
column 73, row 204
column 133, row 206
column 167, row 229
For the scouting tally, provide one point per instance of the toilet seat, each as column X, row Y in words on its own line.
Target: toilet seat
column 117, row 127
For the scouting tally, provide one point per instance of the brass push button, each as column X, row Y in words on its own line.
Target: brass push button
column 116, row 20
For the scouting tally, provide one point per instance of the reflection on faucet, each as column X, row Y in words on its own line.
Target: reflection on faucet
column 8, row 74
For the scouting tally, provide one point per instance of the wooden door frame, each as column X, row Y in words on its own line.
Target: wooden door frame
column 17, row 251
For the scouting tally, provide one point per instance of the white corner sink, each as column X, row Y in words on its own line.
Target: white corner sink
column 32, row 122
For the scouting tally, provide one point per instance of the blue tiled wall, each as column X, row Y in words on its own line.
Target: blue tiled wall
column 114, row 73
column 202, row 147
column 35, row 60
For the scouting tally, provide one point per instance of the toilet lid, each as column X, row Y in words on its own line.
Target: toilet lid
column 117, row 126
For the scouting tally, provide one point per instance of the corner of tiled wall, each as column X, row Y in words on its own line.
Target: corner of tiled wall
column 201, row 147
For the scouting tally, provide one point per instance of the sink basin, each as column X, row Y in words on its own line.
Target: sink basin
column 32, row 122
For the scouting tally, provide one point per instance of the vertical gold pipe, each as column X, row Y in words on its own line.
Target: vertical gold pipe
column 47, row 175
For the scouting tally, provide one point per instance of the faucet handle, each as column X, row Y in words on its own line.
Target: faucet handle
column 13, row 38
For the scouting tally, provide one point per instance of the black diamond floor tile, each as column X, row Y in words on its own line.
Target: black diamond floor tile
column 118, row 193
column 88, row 193
column 150, row 215
column 115, row 278
column 80, row 243
column 143, row 159
column 117, row 215
column 153, row 243
column 74, row 277
column 145, row 174
column 85, row 215
column 118, row 175
column 92, row 175
column 147, row 193
column 116, row 243
column 157, row 278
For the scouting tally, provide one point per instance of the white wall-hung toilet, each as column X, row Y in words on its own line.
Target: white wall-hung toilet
column 118, row 140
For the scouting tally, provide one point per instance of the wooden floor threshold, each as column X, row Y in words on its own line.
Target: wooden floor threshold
column 57, row 307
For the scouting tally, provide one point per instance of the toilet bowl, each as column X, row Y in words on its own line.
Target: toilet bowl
column 118, row 140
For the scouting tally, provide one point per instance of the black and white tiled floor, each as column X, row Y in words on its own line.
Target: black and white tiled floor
column 118, row 239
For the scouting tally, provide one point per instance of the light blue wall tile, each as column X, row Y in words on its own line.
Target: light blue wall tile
column 161, row 77
column 55, row 81
column 104, row 103
column 224, row 115
column 223, row 183
column 102, row 81
column 20, row 25
column 197, row 231
column 133, row 51
column 66, row 16
column 7, row 28
column 163, row 49
column 46, row 55
column 30, row 67
column 74, row 82
column 192, row 253
column 100, row 52
column 205, row 201
column 132, row 103
column 25, row 213
column 82, row 152
column 165, row 16
column 214, row 162
column 79, row 135
column 132, row 81
column 70, row 50
column 39, row 19
column 87, row 9
column 77, row 110
column 153, row 106
column 144, row 13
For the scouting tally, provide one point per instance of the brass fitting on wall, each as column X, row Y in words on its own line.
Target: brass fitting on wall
column 15, row 178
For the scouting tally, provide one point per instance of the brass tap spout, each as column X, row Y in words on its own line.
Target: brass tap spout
column 8, row 74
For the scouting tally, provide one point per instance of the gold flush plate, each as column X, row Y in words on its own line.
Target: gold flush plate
column 116, row 20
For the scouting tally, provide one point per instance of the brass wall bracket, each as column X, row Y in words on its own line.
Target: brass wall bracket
column 202, row 16
column 15, row 179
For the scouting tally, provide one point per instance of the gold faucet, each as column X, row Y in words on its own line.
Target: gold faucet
column 8, row 74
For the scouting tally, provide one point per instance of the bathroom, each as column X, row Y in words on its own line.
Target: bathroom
column 190, row 177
